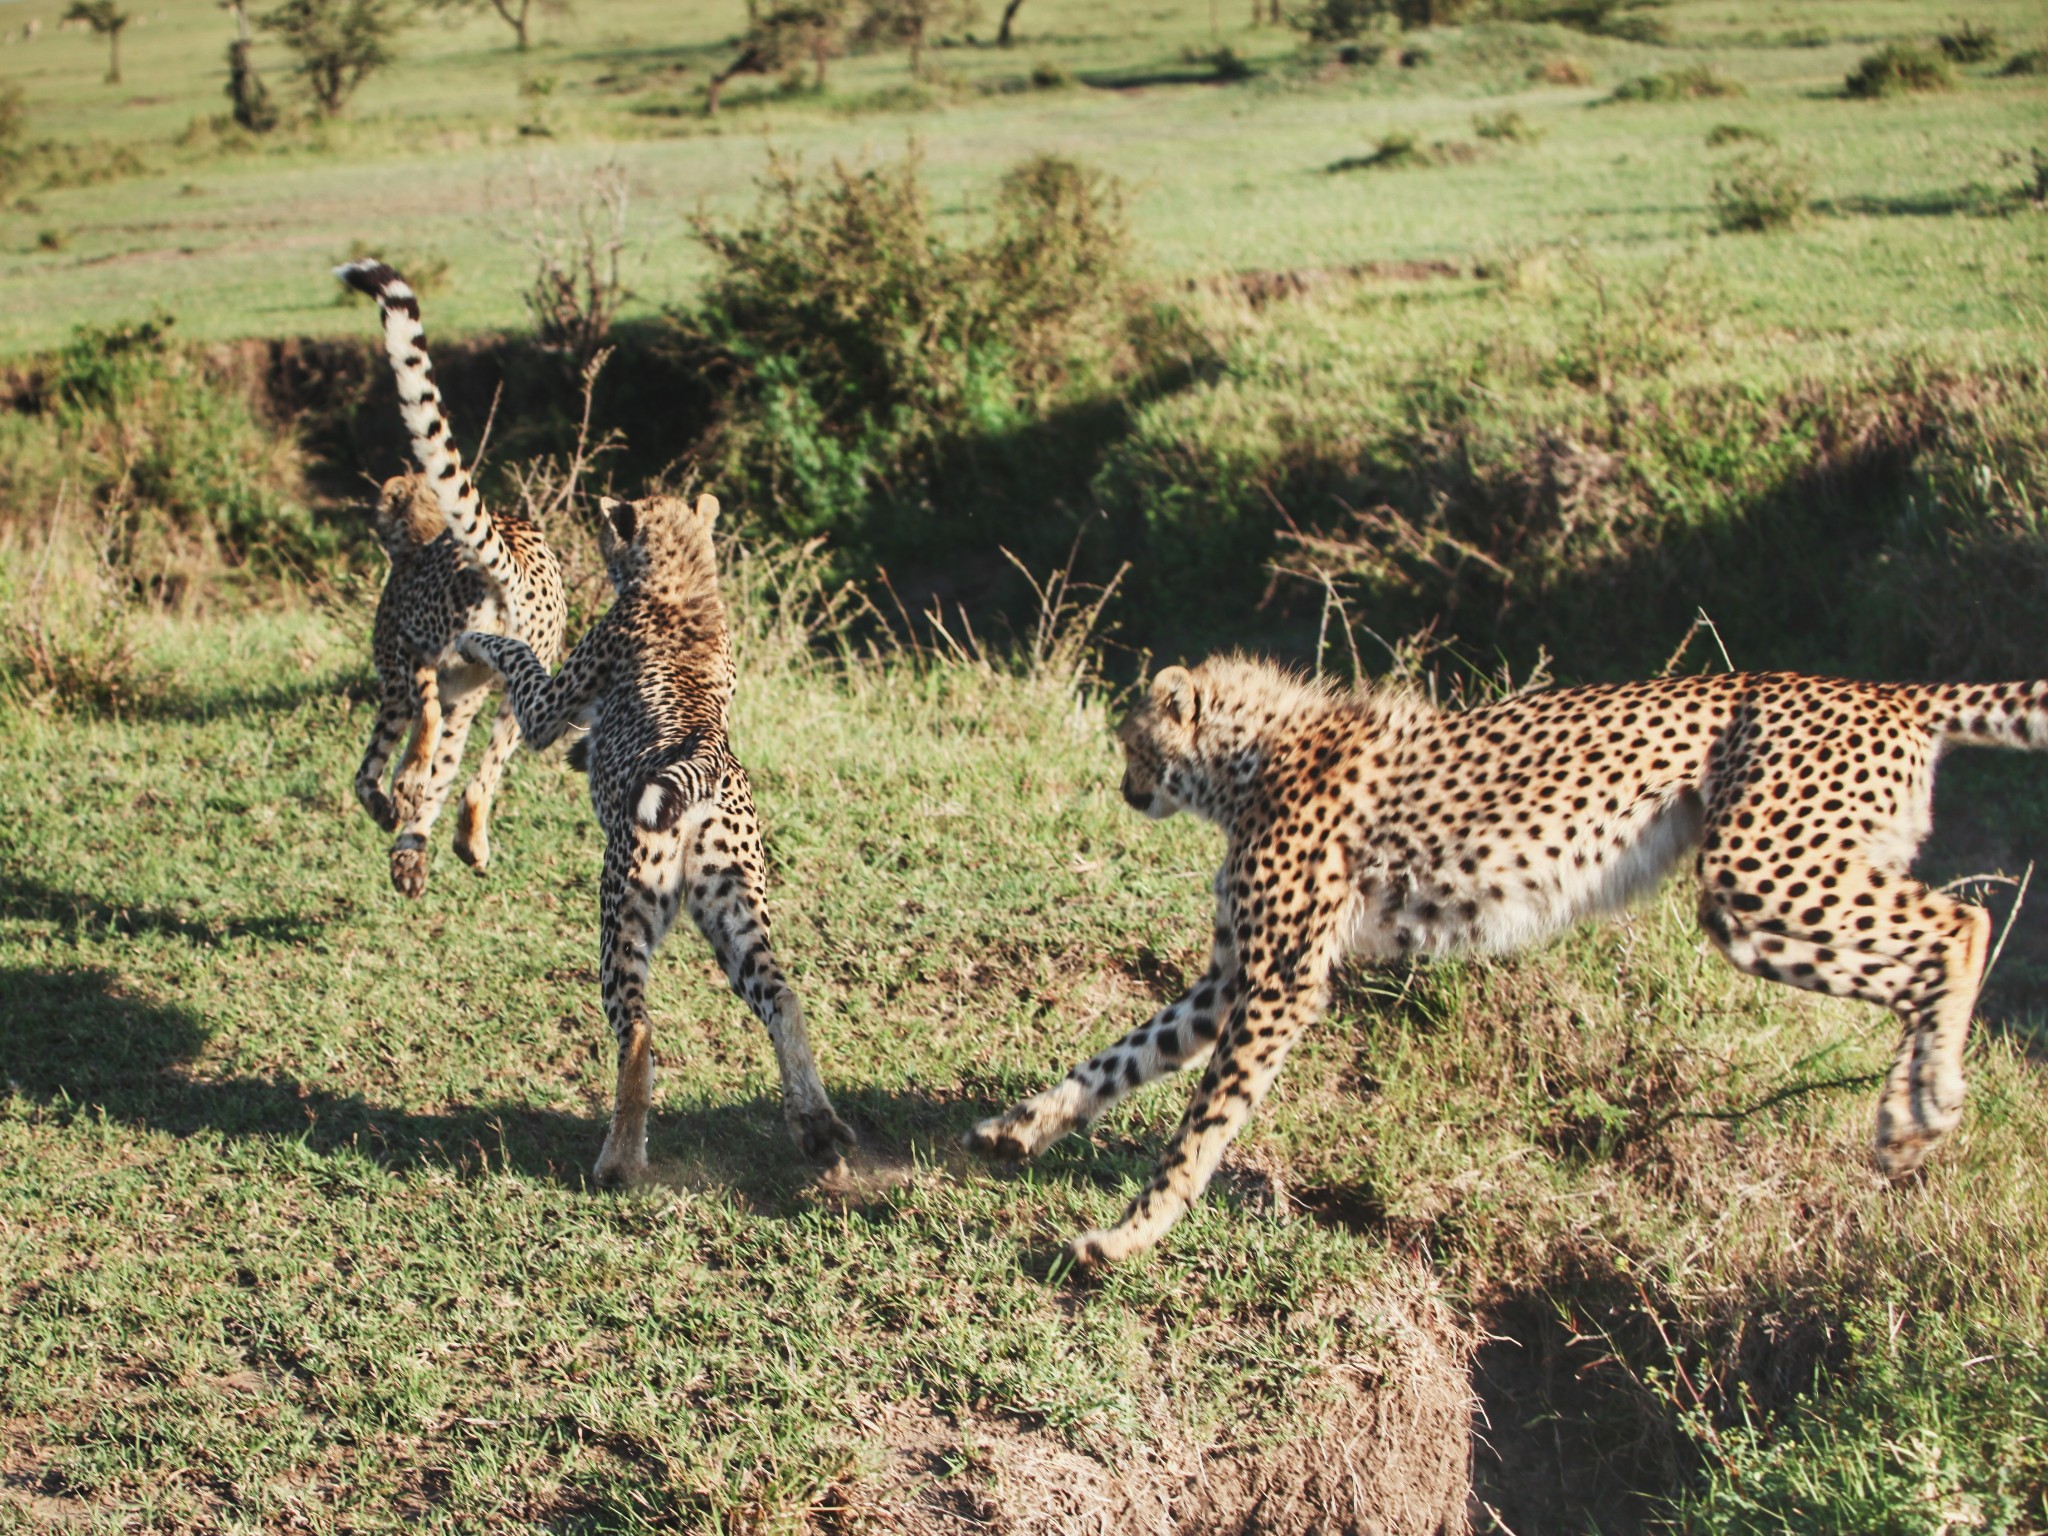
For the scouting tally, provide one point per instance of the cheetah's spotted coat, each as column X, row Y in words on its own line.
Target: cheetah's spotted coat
column 654, row 681
column 454, row 567
column 1373, row 825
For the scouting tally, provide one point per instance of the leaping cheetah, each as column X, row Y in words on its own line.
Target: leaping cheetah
column 1370, row 824
column 654, row 680
column 454, row 567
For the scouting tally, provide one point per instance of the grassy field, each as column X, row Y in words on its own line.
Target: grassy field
column 294, row 1228
column 429, row 161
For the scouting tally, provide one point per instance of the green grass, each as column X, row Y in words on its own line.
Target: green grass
column 1223, row 176
column 296, row 1227
column 294, row 1231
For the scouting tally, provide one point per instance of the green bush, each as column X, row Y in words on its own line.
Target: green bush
column 185, row 476
column 1941, row 1428
column 1693, row 82
column 1761, row 192
column 1899, row 69
column 1723, row 134
column 1505, row 128
column 1336, row 21
column 1968, row 44
column 2032, row 62
column 1623, row 19
column 871, row 360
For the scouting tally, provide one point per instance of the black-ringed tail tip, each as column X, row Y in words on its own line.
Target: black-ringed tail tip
column 380, row 282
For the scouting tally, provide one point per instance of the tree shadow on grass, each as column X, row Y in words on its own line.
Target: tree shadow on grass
column 76, row 1041
column 23, row 898
column 182, row 704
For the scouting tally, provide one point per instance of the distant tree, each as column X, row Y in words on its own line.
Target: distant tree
column 107, row 19
column 779, row 39
column 516, row 14
column 251, row 103
column 1336, row 21
column 339, row 43
column 910, row 23
column 1011, row 7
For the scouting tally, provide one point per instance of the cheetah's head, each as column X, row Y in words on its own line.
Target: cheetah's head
column 661, row 544
column 1159, row 742
column 407, row 514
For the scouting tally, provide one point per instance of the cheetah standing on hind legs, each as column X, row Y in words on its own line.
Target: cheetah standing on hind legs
column 1370, row 824
column 454, row 567
column 654, row 680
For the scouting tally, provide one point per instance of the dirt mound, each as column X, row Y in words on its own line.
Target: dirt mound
column 1385, row 1452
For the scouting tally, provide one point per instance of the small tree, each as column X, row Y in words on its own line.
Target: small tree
column 910, row 23
column 251, row 103
column 339, row 43
column 107, row 19
column 1010, row 8
column 778, row 40
column 516, row 14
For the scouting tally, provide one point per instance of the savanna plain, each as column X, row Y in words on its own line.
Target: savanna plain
column 1476, row 346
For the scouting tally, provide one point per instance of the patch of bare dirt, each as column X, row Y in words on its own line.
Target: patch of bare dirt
column 1389, row 1456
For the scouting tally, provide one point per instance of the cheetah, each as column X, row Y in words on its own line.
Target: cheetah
column 1368, row 824
column 454, row 567
column 654, row 681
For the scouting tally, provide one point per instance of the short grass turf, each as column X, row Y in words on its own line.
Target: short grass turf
column 429, row 165
column 294, row 1231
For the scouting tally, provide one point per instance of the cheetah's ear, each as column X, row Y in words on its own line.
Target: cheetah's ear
column 620, row 515
column 1173, row 694
column 707, row 508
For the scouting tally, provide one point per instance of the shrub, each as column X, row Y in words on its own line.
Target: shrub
column 1899, row 69
column 1226, row 62
column 867, row 354
column 1805, row 37
column 1722, row 134
column 13, row 118
column 1968, row 44
column 1561, row 71
column 1336, row 21
column 1048, row 77
column 1505, row 128
column 186, row 476
column 1691, row 83
column 1397, row 151
column 1609, row 18
column 1761, row 192
column 2032, row 62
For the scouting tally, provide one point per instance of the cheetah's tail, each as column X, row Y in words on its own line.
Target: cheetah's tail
column 433, row 444
column 1986, row 714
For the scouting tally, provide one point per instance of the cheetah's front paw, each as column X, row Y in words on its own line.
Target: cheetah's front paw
column 821, row 1135
column 409, row 868
column 619, row 1169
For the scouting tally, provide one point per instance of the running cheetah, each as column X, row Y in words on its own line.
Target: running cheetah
column 654, row 682
column 453, row 567
column 1371, row 824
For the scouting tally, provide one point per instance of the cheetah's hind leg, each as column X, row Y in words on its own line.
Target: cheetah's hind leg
column 473, row 820
column 724, row 872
